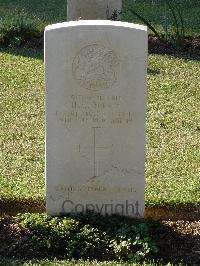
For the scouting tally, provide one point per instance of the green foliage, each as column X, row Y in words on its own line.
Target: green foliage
column 17, row 30
column 90, row 236
column 145, row 21
column 178, row 22
column 170, row 19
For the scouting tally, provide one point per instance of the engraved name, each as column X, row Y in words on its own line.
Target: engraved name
column 96, row 109
column 115, row 189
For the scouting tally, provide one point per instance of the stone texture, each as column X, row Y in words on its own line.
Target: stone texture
column 95, row 117
column 94, row 9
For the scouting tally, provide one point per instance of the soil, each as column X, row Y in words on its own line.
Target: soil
column 179, row 241
column 13, row 207
column 156, row 212
column 187, row 47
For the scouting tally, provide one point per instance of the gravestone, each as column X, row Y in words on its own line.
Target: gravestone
column 94, row 9
column 95, row 117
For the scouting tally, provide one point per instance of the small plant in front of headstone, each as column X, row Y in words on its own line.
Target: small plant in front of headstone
column 125, row 246
column 90, row 236
column 115, row 15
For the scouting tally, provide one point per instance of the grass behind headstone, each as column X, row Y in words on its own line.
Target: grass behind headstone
column 172, row 164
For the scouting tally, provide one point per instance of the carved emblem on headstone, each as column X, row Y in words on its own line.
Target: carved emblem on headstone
column 96, row 67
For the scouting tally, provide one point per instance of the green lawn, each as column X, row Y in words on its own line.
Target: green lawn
column 22, row 122
column 160, row 15
column 173, row 129
column 41, row 13
column 13, row 262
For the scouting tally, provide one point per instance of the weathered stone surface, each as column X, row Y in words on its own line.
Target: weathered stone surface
column 95, row 117
column 94, row 9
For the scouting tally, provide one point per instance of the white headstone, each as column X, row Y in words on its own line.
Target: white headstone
column 95, row 117
column 93, row 9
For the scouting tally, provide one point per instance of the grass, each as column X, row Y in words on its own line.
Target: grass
column 42, row 14
column 172, row 165
column 22, row 134
column 54, row 262
column 37, row 10
column 160, row 16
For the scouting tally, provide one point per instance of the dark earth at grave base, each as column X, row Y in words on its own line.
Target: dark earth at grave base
column 186, row 47
column 178, row 241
